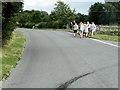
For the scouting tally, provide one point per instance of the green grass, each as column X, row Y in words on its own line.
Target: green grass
column 106, row 37
column 11, row 53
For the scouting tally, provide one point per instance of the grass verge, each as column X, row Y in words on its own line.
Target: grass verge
column 11, row 53
column 106, row 37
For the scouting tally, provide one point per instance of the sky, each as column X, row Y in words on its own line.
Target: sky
column 81, row 6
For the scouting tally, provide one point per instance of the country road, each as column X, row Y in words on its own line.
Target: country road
column 51, row 58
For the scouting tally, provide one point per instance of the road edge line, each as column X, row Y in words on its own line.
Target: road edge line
column 110, row 44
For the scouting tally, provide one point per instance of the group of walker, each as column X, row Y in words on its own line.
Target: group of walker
column 83, row 28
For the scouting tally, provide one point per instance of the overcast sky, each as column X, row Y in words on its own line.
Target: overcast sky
column 81, row 6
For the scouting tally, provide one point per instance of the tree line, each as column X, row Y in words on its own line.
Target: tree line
column 13, row 15
column 58, row 18
column 105, row 14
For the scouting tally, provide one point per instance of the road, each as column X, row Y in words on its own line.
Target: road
column 51, row 58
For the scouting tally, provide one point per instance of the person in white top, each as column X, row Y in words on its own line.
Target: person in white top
column 86, row 29
column 75, row 29
column 81, row 29
column 93, row 28
column 88, row 23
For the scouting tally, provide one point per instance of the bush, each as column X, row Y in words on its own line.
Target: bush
column 7, row 29
column 50, row 24
column 42, row 25
column 29, row 25
column 56, row 24
column 9, row 19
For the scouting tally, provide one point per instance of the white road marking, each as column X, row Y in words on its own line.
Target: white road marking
column 106, row 43
column 1, row 85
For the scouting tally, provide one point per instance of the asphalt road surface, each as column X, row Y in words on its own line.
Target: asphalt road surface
column 54, row 59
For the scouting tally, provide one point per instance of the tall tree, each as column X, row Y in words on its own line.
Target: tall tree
column 96, row 12
column 9, row 19
column 104, row 13
column 110, row 13
column 62, row 13
column 81, row 18
column 116, row 11
column 39, row 16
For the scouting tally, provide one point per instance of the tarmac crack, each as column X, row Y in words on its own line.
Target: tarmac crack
column 68, row 83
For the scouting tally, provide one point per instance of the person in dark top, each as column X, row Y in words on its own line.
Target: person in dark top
column 71, row 25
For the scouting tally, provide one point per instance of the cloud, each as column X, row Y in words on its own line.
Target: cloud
column 42, row 3
column 48, row 5
column 85, row 0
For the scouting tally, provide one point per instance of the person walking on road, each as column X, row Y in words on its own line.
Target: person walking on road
column 81, row 29
column 88, row 23
column 75, row 29
column 93, row 28
column 71, row 26
column 86, row 29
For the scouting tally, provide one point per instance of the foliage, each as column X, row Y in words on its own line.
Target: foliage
column 101, row 13
column 10, row 12
column 59, row 17
column 29, row 19
column 117, row 11
column 95, row 13
column 62, row 13
column 0, row 12
column 81, row 18
column 104, row 13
